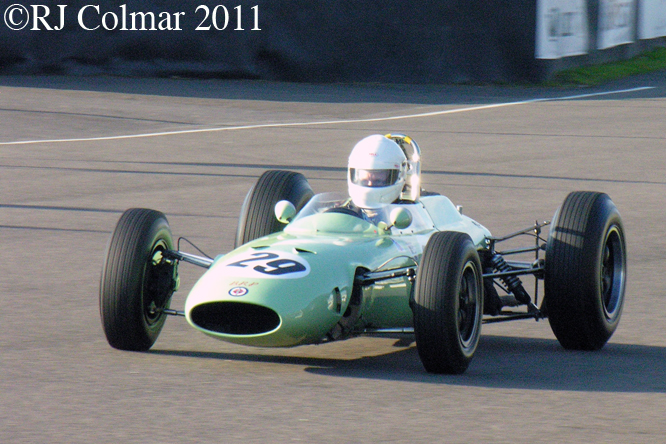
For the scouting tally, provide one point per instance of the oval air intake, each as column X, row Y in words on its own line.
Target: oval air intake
column 234, row 318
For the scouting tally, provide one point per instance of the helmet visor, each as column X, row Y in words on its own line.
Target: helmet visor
column 373, row 178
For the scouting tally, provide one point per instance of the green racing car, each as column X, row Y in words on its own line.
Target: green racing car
column 389, row 258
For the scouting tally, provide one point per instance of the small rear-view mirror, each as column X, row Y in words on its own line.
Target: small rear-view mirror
column 285, row 211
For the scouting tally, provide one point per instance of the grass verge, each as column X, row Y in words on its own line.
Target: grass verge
column 650, row 61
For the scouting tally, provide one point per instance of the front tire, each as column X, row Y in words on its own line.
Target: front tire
column 257, row 218
column 448, row 307
column 585, row 275
column 137, row 281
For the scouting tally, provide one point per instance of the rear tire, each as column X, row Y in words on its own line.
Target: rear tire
column 257, row 218
column 585, row 275
column 448, row 307
column 137, row 282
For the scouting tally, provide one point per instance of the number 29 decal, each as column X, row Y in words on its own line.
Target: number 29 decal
column 271, row 265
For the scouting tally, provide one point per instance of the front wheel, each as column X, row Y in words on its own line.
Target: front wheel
column 137, row 280
column 448, row 305
column 257, row 217
column 585, row 275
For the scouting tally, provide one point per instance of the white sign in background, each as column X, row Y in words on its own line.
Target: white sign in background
column 616, row 23
column 561, row 28
column 652, row 19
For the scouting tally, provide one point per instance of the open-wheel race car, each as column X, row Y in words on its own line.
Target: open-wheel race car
column 308, row 269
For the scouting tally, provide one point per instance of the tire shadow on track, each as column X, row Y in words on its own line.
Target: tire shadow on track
column 500, row 362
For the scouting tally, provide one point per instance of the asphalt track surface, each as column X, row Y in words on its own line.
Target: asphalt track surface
column 195, row 149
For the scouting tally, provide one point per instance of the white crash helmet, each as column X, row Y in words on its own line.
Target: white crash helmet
column 376, row 173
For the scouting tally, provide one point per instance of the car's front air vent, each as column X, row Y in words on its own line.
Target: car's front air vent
column 235, row 318
column 302, row 250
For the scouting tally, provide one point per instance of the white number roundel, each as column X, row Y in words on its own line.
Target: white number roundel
column 267, row 265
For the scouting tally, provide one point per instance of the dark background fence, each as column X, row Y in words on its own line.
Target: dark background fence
column 396, row 41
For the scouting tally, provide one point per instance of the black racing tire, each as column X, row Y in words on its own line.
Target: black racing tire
column 448, row 308
column 136, row 280
column 585, row 271
column 257, row 217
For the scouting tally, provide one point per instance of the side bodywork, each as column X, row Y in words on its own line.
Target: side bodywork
column 305, row 284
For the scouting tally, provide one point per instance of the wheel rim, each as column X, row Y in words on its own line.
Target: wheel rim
column 612, row 273
column 468, row 306
column 154, row 298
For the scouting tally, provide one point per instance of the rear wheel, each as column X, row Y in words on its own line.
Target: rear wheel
column 257, row 218
column 585, row 274
column 137, row 280
column 448, row 305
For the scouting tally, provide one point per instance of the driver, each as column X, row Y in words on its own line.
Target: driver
column 376, row 173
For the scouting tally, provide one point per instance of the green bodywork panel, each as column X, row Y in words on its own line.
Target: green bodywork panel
column 306, row 274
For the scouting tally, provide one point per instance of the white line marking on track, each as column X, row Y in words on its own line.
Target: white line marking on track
column 330, row 122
